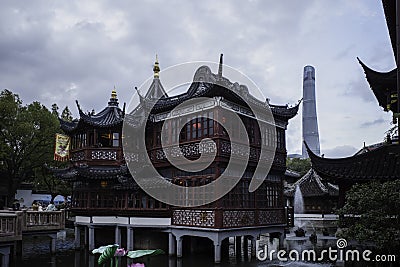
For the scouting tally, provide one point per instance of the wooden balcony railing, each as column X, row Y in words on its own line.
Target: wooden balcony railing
column 14, row 223
column 107, row 155
column 43, row 220
column 10, row 227
column 221, row 147
column 228, row 218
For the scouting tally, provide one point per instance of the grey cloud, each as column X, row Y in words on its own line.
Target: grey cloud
column 359, row 89
column 373, row 123
column 345, row 53
column 339, row 151
column 48, row 47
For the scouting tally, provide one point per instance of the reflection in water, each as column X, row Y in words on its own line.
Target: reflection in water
column 37, row 254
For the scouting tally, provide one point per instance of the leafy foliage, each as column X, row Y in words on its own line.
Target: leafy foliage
column 302, row 166
column 140, row 253
column 109, row 252
column 26, row 139
column 27, row 144
column 54, row 110
column 66, row 114
column 375, row 215
column 43, row 178
column 101, row 249
column 392, row 132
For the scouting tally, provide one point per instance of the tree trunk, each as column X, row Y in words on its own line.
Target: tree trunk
column 53, row 196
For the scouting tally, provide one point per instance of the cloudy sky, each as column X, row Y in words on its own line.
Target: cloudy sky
column 59, row 51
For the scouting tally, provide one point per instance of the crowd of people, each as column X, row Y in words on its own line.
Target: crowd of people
column 36, row 206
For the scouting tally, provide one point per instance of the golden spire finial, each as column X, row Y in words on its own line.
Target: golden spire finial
column 114, row 93
column 156, row 68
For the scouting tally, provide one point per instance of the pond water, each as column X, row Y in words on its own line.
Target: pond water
column 36, row 253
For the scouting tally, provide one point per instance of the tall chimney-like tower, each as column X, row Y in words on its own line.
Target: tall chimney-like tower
column 310, row 123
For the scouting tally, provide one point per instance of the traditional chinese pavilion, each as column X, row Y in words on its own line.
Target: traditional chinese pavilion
column 105, row 194
column 319, row 195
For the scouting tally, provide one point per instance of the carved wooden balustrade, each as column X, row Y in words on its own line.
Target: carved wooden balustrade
column 99, row 155
column 10, row 226
column 221, row 147
column 228, row 218
column 43, row 220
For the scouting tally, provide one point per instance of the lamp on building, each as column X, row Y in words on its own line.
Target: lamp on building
column 103, row 184
column 196, row 125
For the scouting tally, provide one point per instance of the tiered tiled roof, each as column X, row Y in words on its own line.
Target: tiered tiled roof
column 312, row 185
column 207, row 84
column 384, row 84
column 110, row 116
column 97, row 172
column 291, row 173
column 382, row 163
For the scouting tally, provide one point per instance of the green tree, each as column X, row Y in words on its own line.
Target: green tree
column 54, row 110
column 375, row 216
column 26, row 139
column 66, row 114
column 302, row 166
column 45, row 180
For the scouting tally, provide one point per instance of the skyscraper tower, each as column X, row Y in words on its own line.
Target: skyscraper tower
column 310, row 124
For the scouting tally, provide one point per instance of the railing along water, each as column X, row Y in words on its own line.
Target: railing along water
column 43, row 220
column 10, row 226
column 228, row 218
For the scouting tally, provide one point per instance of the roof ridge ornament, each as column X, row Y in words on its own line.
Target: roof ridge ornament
column 220, row 65
column 156, row 89
column 78, row 106
column 113, row 99
column 156, row 68
column 141, row 98
column 138, row 92
column 114, row 93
